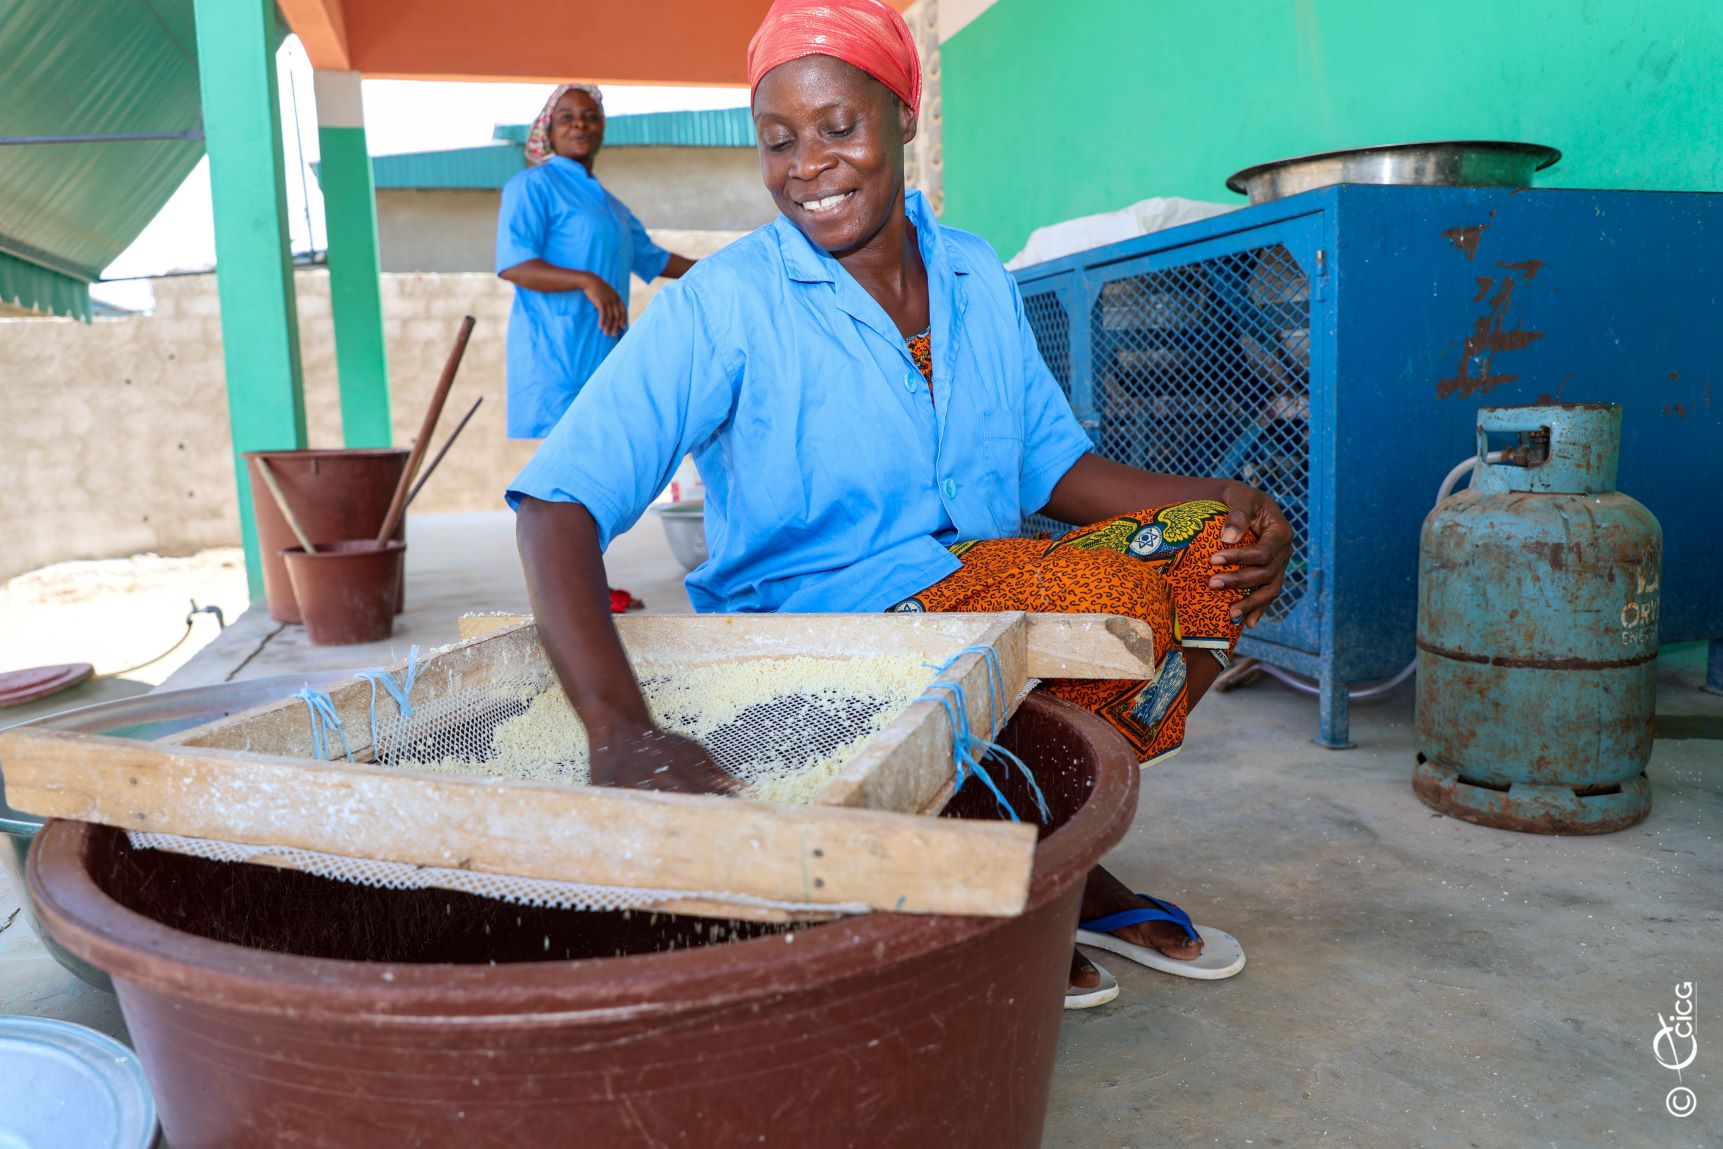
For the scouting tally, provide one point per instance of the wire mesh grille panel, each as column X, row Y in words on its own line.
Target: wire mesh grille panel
column 1051, row 324
column 1204, row 369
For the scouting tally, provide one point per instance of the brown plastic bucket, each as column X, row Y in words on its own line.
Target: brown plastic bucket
column 258, row 1027
column 337, row 494
column 346, row 590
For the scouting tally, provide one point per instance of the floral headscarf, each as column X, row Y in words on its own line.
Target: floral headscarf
column 538, row 146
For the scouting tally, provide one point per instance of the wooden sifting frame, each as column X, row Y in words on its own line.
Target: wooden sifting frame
column 253, row 777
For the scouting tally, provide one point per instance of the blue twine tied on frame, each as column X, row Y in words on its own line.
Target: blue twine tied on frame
column 321, row 707
column 970, row 752
column 399, row 693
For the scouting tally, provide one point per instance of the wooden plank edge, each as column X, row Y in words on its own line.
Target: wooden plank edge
column 693, row 843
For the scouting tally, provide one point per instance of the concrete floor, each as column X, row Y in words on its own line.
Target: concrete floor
column 1415, row 982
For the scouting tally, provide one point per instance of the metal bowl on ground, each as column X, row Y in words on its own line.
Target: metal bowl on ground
column 685, row 527
column 153, row 715
column 1442, row 163
column 70, row 1087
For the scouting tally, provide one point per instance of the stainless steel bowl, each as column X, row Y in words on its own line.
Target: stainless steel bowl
column 1443, row 163
column 685, row 527
column 154, row 715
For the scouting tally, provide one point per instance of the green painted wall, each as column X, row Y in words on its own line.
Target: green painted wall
column 1058, row 108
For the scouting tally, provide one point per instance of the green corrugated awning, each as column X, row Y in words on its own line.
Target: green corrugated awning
column 714, row 128
column 492, row 165
column 72, row 69
column 488, row 166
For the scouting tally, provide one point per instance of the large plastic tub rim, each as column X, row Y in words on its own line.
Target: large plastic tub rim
column 664, row 983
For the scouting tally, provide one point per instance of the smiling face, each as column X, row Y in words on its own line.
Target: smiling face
column 577, row 127
column 831, row 150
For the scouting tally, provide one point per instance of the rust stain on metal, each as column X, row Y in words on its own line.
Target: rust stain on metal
column 1526, row 267
column 1536, row 663
column 1465, row 239
column 1553, row 554
column 1491, row 335
column 1674, row 375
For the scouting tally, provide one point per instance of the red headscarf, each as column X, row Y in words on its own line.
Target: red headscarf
column 867, row 33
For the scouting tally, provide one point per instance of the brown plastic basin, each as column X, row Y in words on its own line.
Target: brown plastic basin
column 274, row 1008
column 335, row 493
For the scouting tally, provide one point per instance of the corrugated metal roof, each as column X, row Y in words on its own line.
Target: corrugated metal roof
column 492, row 165
column 67, row 210
column 716, row 128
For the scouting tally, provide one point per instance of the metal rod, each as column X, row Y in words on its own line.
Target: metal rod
column 299, row 146
column 447, row 443
column 195, row 134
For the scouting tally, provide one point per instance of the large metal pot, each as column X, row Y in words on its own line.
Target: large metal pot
column 1442, row 163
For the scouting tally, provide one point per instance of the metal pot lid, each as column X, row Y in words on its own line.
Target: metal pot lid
column 70, row 1087
column 1545, row 156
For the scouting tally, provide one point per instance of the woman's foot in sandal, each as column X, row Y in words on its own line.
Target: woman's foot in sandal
column 1103, row 894
column 1089, row 985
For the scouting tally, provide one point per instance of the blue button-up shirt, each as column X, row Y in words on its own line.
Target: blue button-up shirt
column 833, row 483
column 560, row 213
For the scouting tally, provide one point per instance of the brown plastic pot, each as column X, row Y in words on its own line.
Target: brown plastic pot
column 346, row 590
column 272, row 1008
column 336, row 494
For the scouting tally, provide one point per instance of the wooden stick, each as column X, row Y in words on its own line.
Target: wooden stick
column 268, row 473
column 398, row 505
column 431, row 467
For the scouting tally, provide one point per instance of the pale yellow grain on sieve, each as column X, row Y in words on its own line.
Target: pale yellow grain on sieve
column 548, row 742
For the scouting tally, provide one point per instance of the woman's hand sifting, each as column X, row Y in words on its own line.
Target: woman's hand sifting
column 653, row 759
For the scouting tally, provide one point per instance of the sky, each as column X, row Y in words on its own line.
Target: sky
column 400, row 116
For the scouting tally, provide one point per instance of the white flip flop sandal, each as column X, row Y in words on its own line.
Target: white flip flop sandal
column 1106, row 990
column 1222, row 956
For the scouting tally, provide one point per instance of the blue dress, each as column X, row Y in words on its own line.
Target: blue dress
column 560, row 213
column 834, row 481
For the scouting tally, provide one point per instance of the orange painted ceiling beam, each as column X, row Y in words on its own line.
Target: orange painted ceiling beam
column 607, row 41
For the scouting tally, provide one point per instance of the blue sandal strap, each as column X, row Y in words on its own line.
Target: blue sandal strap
column 1163, row 912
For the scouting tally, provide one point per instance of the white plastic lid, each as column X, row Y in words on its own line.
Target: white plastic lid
column 69, row 1087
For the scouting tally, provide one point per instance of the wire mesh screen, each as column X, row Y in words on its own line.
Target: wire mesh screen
column 1051, row 324
column 1201, row 369
column 782, row 726
column 1204, row 369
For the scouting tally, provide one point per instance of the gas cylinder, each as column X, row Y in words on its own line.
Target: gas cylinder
column 1537, row 631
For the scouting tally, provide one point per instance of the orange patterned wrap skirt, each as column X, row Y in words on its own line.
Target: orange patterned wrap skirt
column 1151, row 565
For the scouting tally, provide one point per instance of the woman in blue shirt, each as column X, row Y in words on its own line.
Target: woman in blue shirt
column 867, row 405
column 569, row 247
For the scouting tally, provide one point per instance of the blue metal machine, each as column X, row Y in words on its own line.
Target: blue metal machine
column 1538, row 599
column 1333, row 349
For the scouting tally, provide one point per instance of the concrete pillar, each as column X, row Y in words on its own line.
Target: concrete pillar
column 236, row 42
column 355, row 290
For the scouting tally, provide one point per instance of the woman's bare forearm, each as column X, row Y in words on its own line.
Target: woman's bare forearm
column 571, row 601
column 540, row 275
column 1096, row 488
